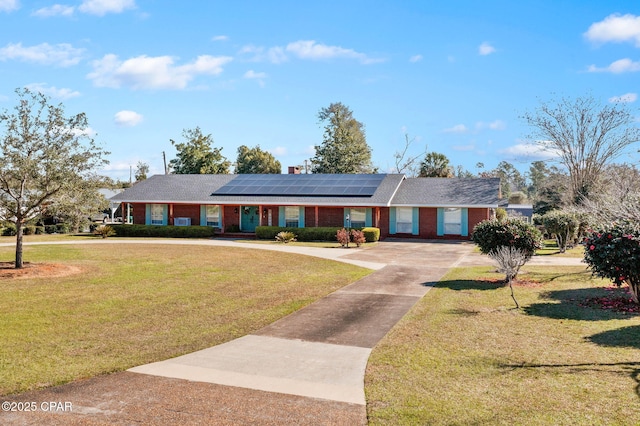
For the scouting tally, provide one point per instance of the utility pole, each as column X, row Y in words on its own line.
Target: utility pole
column 164, row 158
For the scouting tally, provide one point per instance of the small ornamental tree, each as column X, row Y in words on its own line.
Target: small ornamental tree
column 562, row 225
column 615, row 254
column 509, row 242
column 490, row 235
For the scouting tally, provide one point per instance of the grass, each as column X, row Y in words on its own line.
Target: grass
column 135, row 304
column 463, row 355
column 550, row 248
column 47, row 237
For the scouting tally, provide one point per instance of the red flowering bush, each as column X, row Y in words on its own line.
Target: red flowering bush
column 614, row 254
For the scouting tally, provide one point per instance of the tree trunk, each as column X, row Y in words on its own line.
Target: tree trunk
column 634, row 288
column 18, row 244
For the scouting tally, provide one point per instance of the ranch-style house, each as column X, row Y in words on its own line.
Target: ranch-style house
column 399, row 206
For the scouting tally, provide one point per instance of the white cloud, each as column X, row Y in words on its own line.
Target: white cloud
column 53, row 91
column 486, row 49
column 309, row 49
column 274, row 55
column 252, row 74
column 415, row 58
column 618, row 67
column 62, row 55
column 626, row 98
column 530, row 152
column 144, row 72
column 55, row 10
column 458, row 128
column 102, row 7
column 615, row 28
column 127, row 118
column 279, row 151
column 220, row 38
column 258, row 76
column 494, row 125
column 9, row 5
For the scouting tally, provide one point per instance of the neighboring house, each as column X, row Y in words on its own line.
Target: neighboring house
column 399, row 206
column 520, row 211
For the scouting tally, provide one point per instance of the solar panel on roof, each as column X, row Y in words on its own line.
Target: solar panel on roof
column 303, row 185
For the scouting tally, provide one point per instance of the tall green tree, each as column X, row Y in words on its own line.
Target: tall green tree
column 44, row 157
column 255, row 161
column 142, row 169
column 196, row 155
column 586, row 135
column 436, row 164
column 344, row 147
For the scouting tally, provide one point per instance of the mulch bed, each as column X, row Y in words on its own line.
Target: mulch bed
column 36, row 270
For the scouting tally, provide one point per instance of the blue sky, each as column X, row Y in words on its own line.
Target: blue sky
column 455, row 76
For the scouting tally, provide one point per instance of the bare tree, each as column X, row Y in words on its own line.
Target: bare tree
column 586, row 135
column 405, row 163
column 618, row 197
column 510, row 259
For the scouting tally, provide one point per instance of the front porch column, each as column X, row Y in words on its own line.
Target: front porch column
column 316, row 217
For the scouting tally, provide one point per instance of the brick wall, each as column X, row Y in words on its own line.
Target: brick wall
column 476, row 216
column 139, row 212
column 185, row 210
column 230, row 216
column 384, row 222
column 428, row 221
column 331, row 216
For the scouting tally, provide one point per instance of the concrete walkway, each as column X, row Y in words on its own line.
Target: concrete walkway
column 307, row 368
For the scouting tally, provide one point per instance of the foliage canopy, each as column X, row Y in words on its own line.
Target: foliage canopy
column 196, row 155
column 344, row 147
column 255, row 160
column 45, row 158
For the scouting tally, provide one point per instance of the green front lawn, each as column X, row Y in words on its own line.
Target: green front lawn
column 132, row 304
column 464, row 356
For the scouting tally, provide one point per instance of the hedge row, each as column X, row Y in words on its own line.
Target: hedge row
column 163, row 231
column 312, row 234
column 10, row 229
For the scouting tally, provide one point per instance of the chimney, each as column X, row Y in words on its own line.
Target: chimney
column 294, row 170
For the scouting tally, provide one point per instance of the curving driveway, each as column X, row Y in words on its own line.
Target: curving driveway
column 307, row 368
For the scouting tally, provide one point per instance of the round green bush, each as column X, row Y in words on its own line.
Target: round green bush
column 614, row 254
column 490, row 235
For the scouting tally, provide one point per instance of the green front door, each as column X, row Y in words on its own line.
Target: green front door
column 249, row 218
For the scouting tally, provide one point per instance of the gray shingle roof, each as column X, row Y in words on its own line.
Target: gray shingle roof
column 393, row 190
column 443, row 192
column 199, row 189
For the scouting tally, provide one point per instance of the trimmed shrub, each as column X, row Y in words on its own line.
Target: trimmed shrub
column 371, row 234
column 302, row 234
column 358, row 237
column 163, row 231
column 286, row 237
column 501, row 214
column 343, row 237
column 489, row 235
column 9, row 230
column 614, row 254
column 29, row 230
